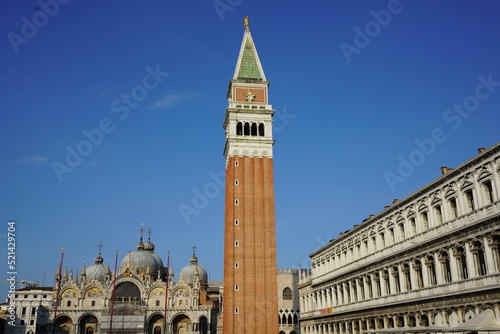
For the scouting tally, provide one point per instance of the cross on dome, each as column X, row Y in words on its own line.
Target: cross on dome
column 194, row 259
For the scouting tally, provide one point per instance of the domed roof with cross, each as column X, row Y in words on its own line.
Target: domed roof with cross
column 143, row 260
column 189, row 272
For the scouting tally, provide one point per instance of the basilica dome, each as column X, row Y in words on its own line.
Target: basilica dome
column 143, row 260
column 189, row 272
column 97, row 271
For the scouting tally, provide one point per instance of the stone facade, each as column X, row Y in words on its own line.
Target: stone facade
column 85, row 300
column 31, row 307
column 431, row 259
column 288, row 301
column 133, row 303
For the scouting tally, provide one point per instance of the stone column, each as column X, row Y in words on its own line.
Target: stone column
column 473, row 264
column 455, row 276
column 321, row 299
column 426, row 272
column 398, row 280
column 493, row 246
column 361, row 288
column 383, row 287
column 368, row 281
column 346, row 294
column 446, row 321
column 414, row 275
column 488, row 254
column 443, row 272
column 437, row 268
column 336, row 295
column 388, row 278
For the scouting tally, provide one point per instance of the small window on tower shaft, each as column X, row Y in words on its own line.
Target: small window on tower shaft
column 236, row 182
column 236, row 243
column 236, row 310
column 236, row 202
column 236, row 287
column 236, row 163
column 236, row 222
column 236, row 265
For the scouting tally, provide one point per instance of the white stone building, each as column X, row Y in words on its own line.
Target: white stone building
column 431, row 259
column 31, row 310
column 288, row 301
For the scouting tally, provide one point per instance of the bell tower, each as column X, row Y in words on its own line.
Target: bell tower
column 250, row 277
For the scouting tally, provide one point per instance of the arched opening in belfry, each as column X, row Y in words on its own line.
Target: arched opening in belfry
column 261, row 129
column 254, row 129
column 247, row 129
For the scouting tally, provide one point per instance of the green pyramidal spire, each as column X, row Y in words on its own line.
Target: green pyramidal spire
column 248, row 66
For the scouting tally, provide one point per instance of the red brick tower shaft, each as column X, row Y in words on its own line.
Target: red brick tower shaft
column 250, row 302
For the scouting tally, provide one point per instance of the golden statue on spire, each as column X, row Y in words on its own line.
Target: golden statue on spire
column 245, row 21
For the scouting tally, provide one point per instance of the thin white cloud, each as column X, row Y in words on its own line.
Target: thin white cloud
column 171, row 100
column 34, row 159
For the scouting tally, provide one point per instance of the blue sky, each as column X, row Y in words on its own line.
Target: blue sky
column 358, row 87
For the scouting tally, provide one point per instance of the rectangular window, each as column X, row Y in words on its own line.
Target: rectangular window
column 470, row 199
column 413, row 226
column 439, row 214
column 488, row 192
column 453, row 207
column 402, row 231
column 33, row 310
column 425, row 221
